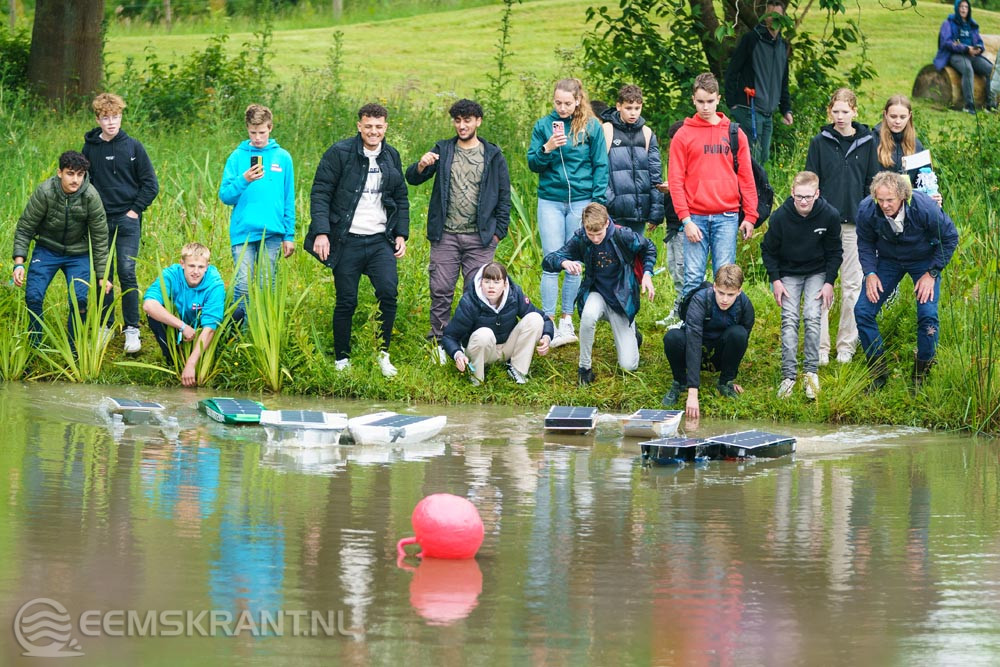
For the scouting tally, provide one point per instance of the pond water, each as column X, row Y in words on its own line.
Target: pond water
column 869, row 546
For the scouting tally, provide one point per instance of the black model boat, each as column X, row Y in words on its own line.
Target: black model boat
column 757, row 444
column 673, row 451
column 570, row 419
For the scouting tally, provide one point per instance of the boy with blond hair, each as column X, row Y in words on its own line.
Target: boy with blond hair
column 610, row 289
column 802, row 254
column 717, row 322
column 198, row 296
column 259, row 183
column 122, row 174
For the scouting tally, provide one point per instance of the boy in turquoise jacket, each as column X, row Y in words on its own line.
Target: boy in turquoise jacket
column 259, row 183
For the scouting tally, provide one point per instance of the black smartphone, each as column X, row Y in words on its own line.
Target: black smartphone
column 256, row 160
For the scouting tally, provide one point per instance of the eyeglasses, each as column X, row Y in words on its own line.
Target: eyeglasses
column 803, row 198
column 110, row 119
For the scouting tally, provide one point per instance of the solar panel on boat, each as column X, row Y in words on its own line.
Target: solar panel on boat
column 236, row 406
column 750, row 439
column 303, row 416
column 654, row 415
column 397, row 421
column 571, row 412
column 132, row 404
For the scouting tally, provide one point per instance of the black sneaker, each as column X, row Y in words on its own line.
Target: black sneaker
column 726, row 389
column 584, row 376
column 674, row 393
column 516, row 375
column 638, row 339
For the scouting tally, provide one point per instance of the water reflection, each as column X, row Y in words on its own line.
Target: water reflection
column 870, row 546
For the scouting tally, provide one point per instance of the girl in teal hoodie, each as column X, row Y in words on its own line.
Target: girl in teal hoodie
column 570, row 156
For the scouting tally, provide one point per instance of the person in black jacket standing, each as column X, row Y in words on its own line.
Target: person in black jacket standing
column 123, row 175
column 495, row 321
column 469, row 210
column 360, row 223
column 758, row 74
column 802, row 254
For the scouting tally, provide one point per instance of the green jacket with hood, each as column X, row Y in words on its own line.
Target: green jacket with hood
column 67, row 224
column 572, row 172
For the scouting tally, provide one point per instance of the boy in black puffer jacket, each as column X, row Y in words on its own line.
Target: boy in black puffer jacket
column 495, row 321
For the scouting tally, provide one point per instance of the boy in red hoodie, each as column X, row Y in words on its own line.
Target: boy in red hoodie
column 707, row 193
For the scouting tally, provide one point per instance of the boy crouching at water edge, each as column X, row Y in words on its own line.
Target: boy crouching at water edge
column 198, row 294
column 802, row 254
column 65, row 218
column 610, row 289
column 495, row 321
column 717, row 323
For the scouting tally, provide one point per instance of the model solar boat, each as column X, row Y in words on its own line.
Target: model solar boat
column 652, row 423
column 231, row 410
column 570, row 419
column 133, row 412
column 303, row 428
column 382, row 428
column 756, row 444
column 674, row 451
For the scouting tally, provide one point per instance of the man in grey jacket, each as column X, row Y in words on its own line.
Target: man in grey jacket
column 469, row 209
column 65, row 218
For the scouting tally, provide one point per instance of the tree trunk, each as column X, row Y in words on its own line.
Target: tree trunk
column 168, row 14
column 66, row 48
column 13, row 16
column 338, row 8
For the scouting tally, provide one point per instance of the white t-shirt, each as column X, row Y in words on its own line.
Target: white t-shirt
column 370, row 217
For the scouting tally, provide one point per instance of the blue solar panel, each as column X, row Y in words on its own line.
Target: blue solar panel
column 571, row 412
column 398, row 421
column 754, row 444
column 303, row 416
column 132, row 404
column 655, row 415
column 236, row 406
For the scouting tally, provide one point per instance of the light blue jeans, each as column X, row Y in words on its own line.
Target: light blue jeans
column 556, row 223
column 626, row 344
column 718, row 235
column 675, row 264
column 802, row 289
column 245, row 259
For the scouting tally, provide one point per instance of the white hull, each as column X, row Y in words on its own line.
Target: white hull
column 379, row 429
column 646, row 428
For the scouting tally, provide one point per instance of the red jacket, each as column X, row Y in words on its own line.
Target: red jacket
column 700, row 171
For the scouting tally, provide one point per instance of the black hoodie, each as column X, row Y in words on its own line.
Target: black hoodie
column 803, row 246
column 121, row 171
column 845, row 166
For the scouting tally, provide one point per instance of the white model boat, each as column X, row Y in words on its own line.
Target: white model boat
column 303, row 428
column 652, row 423
column 383, row 428
column 133, row 412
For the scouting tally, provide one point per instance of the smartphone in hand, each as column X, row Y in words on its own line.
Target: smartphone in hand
column 256, row 160
column 558, row 127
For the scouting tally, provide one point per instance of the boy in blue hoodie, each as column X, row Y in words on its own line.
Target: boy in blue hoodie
column 198, row 298
column 259, row 183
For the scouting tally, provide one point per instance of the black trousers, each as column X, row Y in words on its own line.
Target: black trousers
column 371, row 256
column 725, row 353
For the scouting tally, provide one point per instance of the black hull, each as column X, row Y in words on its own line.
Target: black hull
column 671, row 451
column 754, row 444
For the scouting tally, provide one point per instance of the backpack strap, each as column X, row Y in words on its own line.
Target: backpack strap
column 734, row 144
column 609, row 134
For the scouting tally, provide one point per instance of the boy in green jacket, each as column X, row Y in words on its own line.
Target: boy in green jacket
column 65, row 218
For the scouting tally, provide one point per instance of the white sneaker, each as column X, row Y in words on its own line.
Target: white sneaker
column 810, row 382
column 564, row 333
column 844, row 357
column 388, row 370
column 785, row 388
column 670, row 320
column 342, row 365
column 440, row 356
column 132, row 342
column 824, row 359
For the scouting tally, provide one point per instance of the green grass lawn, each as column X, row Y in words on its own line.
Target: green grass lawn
column 452, row 51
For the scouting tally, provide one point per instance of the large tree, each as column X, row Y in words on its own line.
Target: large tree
column 66, row 48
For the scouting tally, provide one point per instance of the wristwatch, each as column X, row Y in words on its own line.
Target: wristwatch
column 934, row 273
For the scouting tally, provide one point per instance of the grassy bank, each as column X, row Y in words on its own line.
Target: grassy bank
column 964, row 389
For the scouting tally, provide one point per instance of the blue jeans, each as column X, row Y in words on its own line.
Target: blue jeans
column 718, row 234
column 890, row 273
column 802, row 289
column 245, row 259
column 968, row 67
column 124, row 232
column 41, row 270
column 760, row 146
column 556, row 223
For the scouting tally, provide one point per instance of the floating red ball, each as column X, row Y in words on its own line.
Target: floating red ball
column 446, row 526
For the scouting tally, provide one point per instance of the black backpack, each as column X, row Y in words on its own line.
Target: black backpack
column 682, row 310
column 765, row 193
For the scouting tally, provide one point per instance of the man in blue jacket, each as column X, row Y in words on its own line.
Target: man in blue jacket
column 901, row 232
column 360, row 223
column 469, row 210
column 259, row 183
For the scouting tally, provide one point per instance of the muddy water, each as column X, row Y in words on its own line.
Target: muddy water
column 205, row 545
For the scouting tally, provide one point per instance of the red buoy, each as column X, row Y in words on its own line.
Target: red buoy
column 446, row 526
